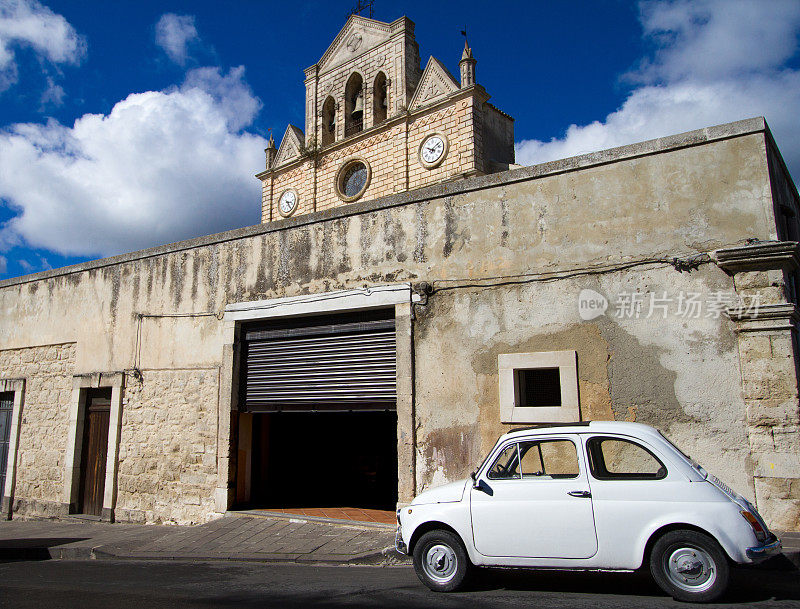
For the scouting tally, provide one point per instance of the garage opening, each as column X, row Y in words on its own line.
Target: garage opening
column 318, row 423
column 325, row 459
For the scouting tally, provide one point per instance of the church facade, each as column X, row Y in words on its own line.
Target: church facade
column 376, row 124
column 378, row 346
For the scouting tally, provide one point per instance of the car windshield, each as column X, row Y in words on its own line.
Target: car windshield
column 483, row 462
column 694, row 463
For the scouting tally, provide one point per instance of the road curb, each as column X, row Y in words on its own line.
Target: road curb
column 388, row 557
column 359, row 524
column 384, row 558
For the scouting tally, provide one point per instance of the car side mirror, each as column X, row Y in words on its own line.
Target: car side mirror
column 480, row 485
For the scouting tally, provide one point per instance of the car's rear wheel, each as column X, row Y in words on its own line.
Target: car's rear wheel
column 441, row 562
column 689, row 566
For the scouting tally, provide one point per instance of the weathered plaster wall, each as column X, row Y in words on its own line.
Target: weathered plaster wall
column 43, row 429
column 673, row 197
column 680, row 375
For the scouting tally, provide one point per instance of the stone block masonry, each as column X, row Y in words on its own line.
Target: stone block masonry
column 168, row 447
column 43, row 427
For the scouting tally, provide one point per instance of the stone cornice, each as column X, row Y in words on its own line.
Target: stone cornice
column 764, row 318
column 762, row 256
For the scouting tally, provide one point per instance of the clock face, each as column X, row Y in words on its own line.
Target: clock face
column 287, row 203
column 433, row 150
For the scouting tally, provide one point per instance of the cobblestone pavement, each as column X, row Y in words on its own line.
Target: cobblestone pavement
column 230, row 538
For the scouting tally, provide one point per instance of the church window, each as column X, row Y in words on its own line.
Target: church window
column 354, row 105
column 352, row 179
column 328, row 121
column 380, row 101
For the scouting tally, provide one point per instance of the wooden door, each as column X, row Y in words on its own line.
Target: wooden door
column 95, row 450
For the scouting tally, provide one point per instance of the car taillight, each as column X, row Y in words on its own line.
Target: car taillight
column 761, row 534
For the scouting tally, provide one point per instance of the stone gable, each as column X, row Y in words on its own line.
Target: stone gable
column 358, row 36
column 436, row 84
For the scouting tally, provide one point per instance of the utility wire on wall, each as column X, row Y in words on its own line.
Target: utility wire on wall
column 683, row 263
column 137, row 349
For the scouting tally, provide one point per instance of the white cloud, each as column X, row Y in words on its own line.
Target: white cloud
column 53, row 95
column 27, row 23
column 3, row 265
column 161, row 166
column 714, row 61
column 174, row 33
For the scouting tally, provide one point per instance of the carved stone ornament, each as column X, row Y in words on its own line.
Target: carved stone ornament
column 354, row 42
column 432, row 91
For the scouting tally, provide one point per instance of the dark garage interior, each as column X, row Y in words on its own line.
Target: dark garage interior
column 324, row 459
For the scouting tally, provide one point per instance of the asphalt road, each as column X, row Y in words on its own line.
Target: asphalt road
column 140, row 585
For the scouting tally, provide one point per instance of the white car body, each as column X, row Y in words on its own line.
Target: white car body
column 603, row 524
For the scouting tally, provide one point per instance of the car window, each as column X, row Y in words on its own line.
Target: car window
column 549, row 459
column 618, row 459
column 505, row 467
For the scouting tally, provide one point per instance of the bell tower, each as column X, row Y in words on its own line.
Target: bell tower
column 377, row 124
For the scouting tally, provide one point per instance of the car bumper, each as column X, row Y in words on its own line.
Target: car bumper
column 767, row 549
column 399, row 544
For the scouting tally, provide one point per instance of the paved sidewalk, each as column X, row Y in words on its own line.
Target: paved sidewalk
column 41, row 539
column 230, row 538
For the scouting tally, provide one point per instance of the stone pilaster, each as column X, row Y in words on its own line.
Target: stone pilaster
column 768, row 351
column 17, row 386
column 406, row 440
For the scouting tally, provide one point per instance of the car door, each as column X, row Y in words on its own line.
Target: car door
column 632, row 487
column 533, row 501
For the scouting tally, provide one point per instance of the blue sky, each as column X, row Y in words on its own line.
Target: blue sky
column 130, row 124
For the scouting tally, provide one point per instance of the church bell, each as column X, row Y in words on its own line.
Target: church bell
column 358, row 107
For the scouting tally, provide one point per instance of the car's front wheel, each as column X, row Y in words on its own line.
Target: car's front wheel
column 441, row 562
column 689, row 566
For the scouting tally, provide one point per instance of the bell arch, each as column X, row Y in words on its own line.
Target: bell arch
column 328, row 121
column 380, row 100
column 354, row 105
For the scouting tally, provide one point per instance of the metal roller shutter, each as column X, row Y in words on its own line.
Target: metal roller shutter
column 321, row 364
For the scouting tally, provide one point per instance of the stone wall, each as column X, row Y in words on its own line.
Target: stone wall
column 677, row 197
column 47, row 371
column 168, row 447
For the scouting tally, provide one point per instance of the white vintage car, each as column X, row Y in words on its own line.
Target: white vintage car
column 596, row 495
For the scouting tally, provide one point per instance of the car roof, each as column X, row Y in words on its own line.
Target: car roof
column 616, row 427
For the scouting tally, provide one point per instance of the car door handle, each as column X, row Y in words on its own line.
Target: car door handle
column 579, row 494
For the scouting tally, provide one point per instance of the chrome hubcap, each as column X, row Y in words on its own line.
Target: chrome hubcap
column 440, row 563
column 691, row 569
